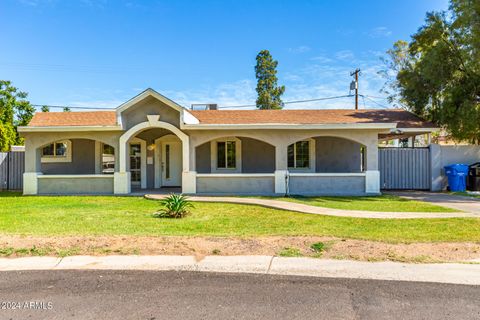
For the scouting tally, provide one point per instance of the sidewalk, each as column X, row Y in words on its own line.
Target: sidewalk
column 304, row 208
column 442, row 273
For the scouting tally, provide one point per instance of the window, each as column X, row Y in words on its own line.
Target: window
column 167, row 161
column 135, row 163
column 363, row 153
column 299, row 155
column 226, row 155
column 58, row 151
column 108, row 159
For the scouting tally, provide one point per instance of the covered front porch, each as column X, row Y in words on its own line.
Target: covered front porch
column 156, row 157
column 280, row 162
column 148, row 156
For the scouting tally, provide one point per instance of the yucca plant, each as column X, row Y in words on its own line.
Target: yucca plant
column 174, row 206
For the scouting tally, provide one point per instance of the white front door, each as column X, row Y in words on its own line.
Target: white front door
column 171, row 164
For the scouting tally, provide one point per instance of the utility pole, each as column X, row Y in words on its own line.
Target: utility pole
column 355, row 73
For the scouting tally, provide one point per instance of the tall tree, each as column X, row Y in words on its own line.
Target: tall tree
column 437, row 74
column 15, row 110
column 269, row 93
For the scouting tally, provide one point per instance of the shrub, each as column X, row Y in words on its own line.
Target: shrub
column 174, row 206
column 318, row 247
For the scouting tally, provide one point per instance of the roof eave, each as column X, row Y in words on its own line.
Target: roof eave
column 419, row 129
column 67, row 128
column 291, row 126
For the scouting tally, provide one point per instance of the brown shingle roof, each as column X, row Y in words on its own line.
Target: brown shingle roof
column 403, row 118
column 92, row 118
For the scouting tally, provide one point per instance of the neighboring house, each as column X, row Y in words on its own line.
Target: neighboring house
column 151, row 142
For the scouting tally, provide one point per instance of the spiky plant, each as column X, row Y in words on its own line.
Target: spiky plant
column 174, row 206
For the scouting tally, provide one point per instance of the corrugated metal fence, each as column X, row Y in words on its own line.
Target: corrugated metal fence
column 404, row 168
column 12, row 166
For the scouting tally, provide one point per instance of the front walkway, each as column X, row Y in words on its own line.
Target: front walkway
column 304, row 208
column 453, row 201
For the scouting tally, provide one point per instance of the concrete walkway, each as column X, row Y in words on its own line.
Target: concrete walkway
column 462, row 203
column 304, row 208
column 442, row 273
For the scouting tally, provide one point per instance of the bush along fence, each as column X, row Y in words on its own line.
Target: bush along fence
column 12, row 166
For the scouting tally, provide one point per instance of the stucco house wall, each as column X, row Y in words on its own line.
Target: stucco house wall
column 262, row 135
column 337, row 155
column 83, row 160
column 257, row 157
column 136, row 114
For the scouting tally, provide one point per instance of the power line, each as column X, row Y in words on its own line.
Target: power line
column 379, row 104
column 291, row 102
column 237, row 106
column 62, row 107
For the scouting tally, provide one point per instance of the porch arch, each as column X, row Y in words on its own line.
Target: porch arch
column 153, row 122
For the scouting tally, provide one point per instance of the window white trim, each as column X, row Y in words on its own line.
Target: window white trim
column 100, row 157
column 311, row 155
column 238, row 156
column 54, row 158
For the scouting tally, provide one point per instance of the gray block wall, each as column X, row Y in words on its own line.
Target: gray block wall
column 442, row 156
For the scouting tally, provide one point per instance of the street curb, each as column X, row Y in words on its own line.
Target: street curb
column 454, row 273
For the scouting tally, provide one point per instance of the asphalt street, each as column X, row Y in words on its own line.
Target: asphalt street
column 158, row 295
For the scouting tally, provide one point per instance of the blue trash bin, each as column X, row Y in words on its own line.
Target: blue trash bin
column 457, row 176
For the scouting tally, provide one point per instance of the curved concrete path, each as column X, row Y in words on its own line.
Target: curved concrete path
column 304, row 208
column 453, row 201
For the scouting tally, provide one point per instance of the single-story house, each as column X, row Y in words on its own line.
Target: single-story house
column 151, row 142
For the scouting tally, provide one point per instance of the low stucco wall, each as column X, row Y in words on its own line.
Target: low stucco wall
column 75, row 185
column 327, row 185
column 236, row 184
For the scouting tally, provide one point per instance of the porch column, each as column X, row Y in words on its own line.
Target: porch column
column 33, row 165
column 189, row 178
column 372, row 174
column 281, row 168
column 121, row 178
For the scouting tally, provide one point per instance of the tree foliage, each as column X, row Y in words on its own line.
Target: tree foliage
column 15, row 110
column 45, row 109
column 269, row 93
column 437, row 74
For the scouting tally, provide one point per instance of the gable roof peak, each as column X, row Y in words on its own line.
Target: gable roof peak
column 149, row 92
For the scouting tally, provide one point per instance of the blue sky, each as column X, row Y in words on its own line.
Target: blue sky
column 101, row 53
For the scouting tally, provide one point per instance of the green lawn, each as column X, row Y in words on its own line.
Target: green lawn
column 384, row 203
column 133, row 216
